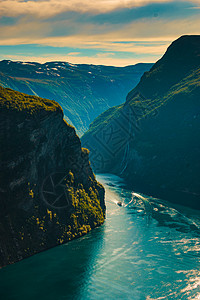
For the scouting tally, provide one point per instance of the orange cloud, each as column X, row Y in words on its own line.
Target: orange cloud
column 49, row 8
column 95, row 60
column 107, row 38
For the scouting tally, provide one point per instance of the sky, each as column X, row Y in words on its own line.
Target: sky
column 106, row 32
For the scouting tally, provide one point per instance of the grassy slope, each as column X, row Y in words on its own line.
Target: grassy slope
column 176, row 72
column 187, row 86
column 16, row 101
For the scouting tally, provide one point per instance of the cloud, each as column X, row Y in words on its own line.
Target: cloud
column 140, row 39
column 80, row 31
column 73, row 53
column 105, row 55
column 107, row 37
column 95, row 60
column 50, row 8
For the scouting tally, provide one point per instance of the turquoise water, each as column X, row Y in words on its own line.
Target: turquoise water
column 146, row 249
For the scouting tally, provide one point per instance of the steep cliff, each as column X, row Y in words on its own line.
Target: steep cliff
column 77, row 88
column 48, row 192
column 153, row 139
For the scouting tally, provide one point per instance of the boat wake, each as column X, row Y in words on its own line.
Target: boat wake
column 163, row 213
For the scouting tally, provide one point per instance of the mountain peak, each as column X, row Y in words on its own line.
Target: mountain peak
column 187, row 47
column 181, row 57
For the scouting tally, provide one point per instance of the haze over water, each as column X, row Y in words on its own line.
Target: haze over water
column 146, row 249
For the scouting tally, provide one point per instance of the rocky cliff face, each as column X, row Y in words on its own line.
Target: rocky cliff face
column 77, row 88
column 48, row 192
column 153, row 139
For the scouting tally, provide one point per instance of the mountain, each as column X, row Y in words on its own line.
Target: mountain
column 83, row 91
column 152, row 140
column 48, row 192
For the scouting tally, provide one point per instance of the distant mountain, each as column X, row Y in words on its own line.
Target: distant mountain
column 153, row 139
column 83, row 91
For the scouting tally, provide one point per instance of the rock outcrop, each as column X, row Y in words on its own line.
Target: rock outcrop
column 48, row 192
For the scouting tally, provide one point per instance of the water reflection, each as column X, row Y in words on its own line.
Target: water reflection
column 59, row 273
column 146, row 249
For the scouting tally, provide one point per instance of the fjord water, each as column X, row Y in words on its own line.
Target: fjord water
column 147, row 249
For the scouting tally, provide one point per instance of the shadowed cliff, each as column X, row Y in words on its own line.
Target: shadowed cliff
column 153, row 138
column 48, row 192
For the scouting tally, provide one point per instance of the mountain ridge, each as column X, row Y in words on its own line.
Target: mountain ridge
column 158, row 142
column 77, row 88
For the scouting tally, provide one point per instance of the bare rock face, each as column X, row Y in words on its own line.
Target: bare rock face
column 48, row 192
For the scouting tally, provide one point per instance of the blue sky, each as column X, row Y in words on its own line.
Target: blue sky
column 110, row 32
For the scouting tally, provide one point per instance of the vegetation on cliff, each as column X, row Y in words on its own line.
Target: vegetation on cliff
column 48, row 192
column 153, row 139
column 15, row 101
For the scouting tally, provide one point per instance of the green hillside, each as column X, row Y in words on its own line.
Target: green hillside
column 153, row 139
column 77, row 88
column 16, row 101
